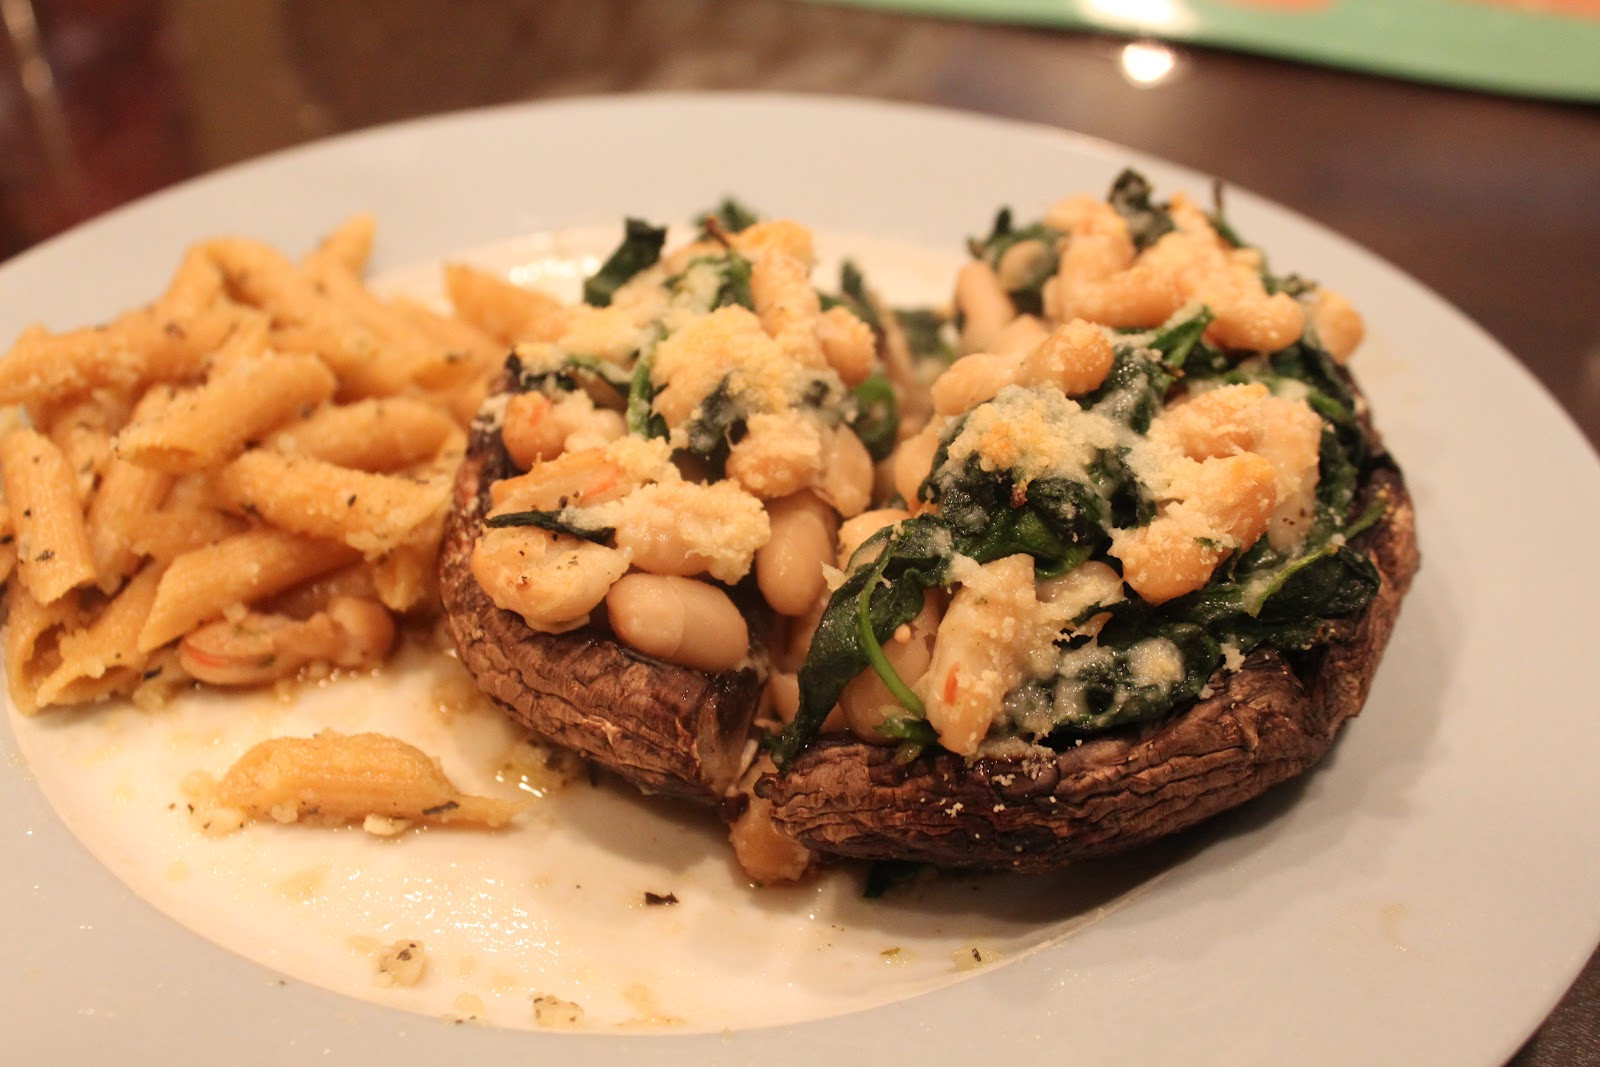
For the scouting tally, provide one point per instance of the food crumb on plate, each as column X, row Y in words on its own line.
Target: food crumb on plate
column 555, row 1013
column 971, row 957
column 403, row 963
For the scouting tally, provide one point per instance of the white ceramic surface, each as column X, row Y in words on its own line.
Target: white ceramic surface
column 1424, row 897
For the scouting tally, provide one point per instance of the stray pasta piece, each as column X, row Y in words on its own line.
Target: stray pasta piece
column 403, row 964
column 335, row 779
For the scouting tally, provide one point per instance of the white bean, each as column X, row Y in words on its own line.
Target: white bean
column 679, row 620
column 867, row 700
column 985, row 307
column 913, row 462
column 789, row 565
column 847, row 473
column 853, row 533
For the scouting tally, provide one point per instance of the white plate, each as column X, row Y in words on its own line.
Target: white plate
column 1424, row 897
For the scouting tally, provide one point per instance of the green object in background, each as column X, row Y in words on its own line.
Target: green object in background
column 1491, row 45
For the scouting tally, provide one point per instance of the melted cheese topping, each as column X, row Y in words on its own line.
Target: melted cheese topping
column 686, row 528
column 1034, row 433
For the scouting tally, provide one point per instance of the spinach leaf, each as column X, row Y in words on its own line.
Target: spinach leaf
column 730, row 216
column 877, row 418
column 1219, row 217
column 735, row 287
column 1311, row 364
column 1180, row 336
column 1026, row 293
column 552, row 521
column 1128, row 500
column 1133, row 389
column 853, row 295
column 924, row 329
column 915, row 558
column 1057, row 521
column 1147, row 221
column 717, row 424
column 1292, row 284
column 908, row 728
column 568, row 375
column 1108, row 683
column 643, row 421
column 733, row 282
column 639, row 250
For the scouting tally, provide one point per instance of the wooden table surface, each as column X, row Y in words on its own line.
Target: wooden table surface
column 1491, row 201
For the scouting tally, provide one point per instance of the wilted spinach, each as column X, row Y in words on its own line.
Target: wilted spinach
column 733, row 284
column 640, row 250
column 854, row 296
column 554, row 521
column 885, row 594
column 717, row 424
column 641, row 415
column 1259, row 597
column 730, row 216
column 1100, row 686
column 568, row 375
column 1147, row 220
column 1027, row 292
column 877, row 416
column 925, row 334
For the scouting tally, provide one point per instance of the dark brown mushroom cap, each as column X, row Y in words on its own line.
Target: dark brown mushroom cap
column 666, row 728
column 1265, row 723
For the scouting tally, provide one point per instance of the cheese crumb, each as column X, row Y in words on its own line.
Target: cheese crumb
column 971, row 957
column 554, row 1013
column 403, row 964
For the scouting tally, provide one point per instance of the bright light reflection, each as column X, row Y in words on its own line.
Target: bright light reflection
column 1153, row 15
column 1147, row 62
column 554, row 267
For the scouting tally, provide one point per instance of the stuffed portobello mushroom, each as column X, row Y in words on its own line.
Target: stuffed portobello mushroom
column 649, row 490
column 1134, row 558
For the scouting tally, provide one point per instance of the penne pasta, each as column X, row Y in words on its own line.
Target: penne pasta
column 212, row 422
column 372, row 513
column 240, row 570
column 53, row 552
column 466, row 353
column 122, row 503
column 173, row 531
column 348, row 246
column 407, row 577
column 42, row 369
column 197, row 285
column 29, row 641
column 263, row 431
column 83, row 430
column 103, row 657
column 377, row 434
column 508, row 313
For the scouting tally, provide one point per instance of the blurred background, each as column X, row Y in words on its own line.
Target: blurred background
column 1459, row 139
column 1488, row 197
